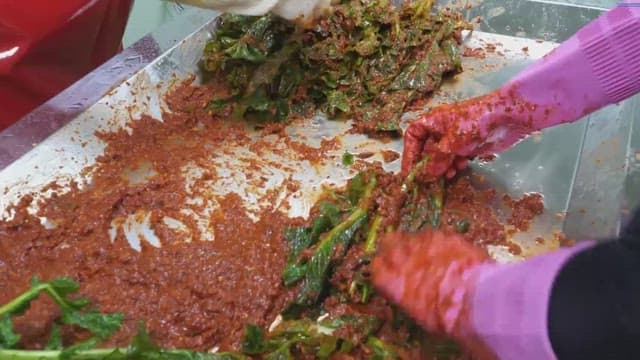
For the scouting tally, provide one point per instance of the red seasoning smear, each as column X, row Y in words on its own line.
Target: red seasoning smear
column 524, row 210
column 192, row 293
column 477, row 53
column 390, row 156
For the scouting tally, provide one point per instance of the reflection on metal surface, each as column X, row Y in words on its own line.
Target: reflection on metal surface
column 590, row 164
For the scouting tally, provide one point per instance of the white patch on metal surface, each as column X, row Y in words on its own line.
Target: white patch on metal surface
column 136, row 228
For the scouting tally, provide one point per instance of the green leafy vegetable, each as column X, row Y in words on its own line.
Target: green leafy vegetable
column 372, row 236
column 462, row 226
column 318, row 338
column 347, row 158
column 8, row 338
column 332, row 248
column 424, row 204
column 100, row 326
column 381, row 350
column 367, row 61
column 301, row 238
column 55, row 339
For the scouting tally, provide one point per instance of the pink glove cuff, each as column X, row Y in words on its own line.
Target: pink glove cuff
column 612, row 45
column 594, row 68
column 510, row 305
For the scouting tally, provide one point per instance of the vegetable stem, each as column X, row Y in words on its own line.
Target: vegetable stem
column 436, row 200
column 331, row 248
column 411, row 177
column 26, row 297
column 372, row 236
column 55, row 354
column 115, row 354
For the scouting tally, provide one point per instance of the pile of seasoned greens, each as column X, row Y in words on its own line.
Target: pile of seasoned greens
column 367, row 61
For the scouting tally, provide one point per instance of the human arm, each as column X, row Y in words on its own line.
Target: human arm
column 573, row 303
column 592, row 69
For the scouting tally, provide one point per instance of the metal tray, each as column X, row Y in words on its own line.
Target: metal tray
column 588, row 172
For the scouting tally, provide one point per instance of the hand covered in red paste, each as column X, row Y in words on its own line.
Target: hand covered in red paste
column 585, row 73
column 452, row 134
column 431, row 275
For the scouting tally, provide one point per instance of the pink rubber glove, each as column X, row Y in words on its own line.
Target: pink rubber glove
column 594, row 68
column 452, row 288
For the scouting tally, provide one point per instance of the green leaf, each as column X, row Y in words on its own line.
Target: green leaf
column 347, row 158
column 356, row 188
column 327, row 346
column 55, row 339
column 329, row 216
column 270, row 71
column 68, row 353
column 281, row 353
column 416, row 211
column 8, row 338
column 369, row 43
column 444, row 348
column 144, row 348
column 64, row 285
column 462, row 226
column 293, row 273
column 317, row 337
column 337, row 102
column 300, row 238
column 141, row 343
column 381, row 350
column 254, row 342
column 223, row 356
column 98, row 324
column 366, row 50
column 332, row 249
column 217, row 104
column 335, row 244
column 234, row 25
column 241, row 51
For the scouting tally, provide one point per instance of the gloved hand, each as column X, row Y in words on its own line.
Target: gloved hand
column 592, row 69
column 453, row 133
column 432, row 275
column 452, row 288
column 288, row 9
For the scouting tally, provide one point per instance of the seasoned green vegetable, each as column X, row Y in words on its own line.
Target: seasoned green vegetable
column 301, row 238
column 462, row 226
column 367, row 61
column 73, row 312
column 318, row 338
column 99, row 325
column 332, row 248
column 381, row 350
column 347, row 158
column 423, row 205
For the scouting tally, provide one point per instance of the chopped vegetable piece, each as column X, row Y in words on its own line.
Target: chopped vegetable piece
column 332, row 248
column 347, row 158
column 462, row 226
column 321, row 338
